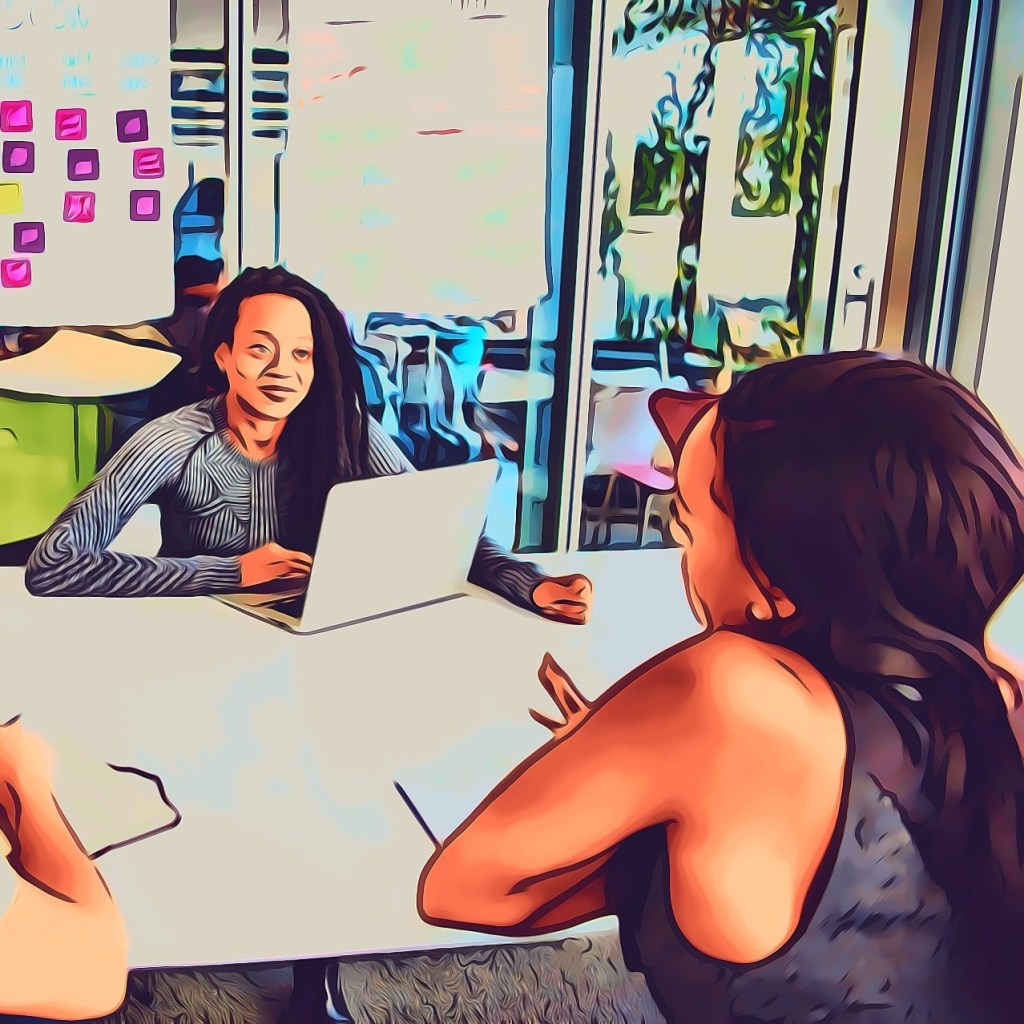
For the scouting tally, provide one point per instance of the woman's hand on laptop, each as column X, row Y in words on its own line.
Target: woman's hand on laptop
column 565, row 598
column 274, row 565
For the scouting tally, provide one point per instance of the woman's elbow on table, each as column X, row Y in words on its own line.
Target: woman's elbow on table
column 48, row 571
column 43, row 581
column 454, row 895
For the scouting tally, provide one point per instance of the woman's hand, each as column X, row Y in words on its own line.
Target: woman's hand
column 572, row 705
column 273, row 564
column 565, row 598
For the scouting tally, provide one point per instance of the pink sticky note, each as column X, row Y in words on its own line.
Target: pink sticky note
column 16, row 116
column 29, row 236
column 145, row 204
column 148, row 163
column 70, row 124
column 15, row 273
column 132, row 126
column 79, row 207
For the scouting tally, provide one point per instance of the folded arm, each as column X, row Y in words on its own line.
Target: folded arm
column 73, row 560
column 533, row 858
column 767, row 754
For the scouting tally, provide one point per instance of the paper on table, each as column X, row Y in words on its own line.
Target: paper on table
column 448, row 788
column 110, row 806
column 73, row 364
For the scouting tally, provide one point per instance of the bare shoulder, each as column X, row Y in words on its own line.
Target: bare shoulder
column 737, row 687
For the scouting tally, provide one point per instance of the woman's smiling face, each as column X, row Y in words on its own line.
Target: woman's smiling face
column 269, row 361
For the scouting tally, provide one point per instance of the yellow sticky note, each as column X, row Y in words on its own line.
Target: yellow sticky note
column 10, row 197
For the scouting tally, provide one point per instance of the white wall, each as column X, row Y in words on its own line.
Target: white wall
column 988, row 349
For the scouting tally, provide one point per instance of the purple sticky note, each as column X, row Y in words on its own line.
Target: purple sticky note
column 79, row 207
column 70, row 124
column 148, row 163
column 83, row 164
column 145, row 204
column 29, row 236
column 132, row 126
column 16, row 116
column 15, row 273
column 19, row 157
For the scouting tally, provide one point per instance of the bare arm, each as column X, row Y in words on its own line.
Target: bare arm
column 734, row 755
column 532, row 858
column 63, row 951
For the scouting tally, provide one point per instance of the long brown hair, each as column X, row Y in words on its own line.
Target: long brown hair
column 883, row 499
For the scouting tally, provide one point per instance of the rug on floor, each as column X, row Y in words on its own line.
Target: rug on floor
column 577, row 981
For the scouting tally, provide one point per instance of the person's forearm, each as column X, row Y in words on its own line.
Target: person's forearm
column 460, row 887
column 53, row 571
column 503, row 574
column 45, row 850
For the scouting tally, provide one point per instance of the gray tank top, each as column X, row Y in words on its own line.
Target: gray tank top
column 879, row 943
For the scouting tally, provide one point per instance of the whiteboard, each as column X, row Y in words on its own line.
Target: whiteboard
column 415, row 173
column 86, row 217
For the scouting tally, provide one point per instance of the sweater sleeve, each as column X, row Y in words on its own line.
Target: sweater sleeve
column 73, row 560
column 493, row 568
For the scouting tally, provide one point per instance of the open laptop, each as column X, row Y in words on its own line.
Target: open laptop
column 388, row 544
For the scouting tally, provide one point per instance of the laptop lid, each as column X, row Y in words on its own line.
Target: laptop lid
column 396, row 542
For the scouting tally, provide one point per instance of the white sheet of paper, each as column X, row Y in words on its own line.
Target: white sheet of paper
column 101, row 57
column 107, row 808
column 415, row 176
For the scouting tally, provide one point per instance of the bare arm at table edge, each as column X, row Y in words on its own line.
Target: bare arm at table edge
column 63, row 949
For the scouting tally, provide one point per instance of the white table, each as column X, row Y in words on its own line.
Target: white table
column 281, row 751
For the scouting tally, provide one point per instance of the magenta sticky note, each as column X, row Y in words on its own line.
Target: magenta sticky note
column 132, row 126
column 18, row 157
column 145, row 204
column 29, row 236
column 70, row 124
column 15, row 273
column 15, row 116
column 79, row 207
column 83, row 164
column 148, row 163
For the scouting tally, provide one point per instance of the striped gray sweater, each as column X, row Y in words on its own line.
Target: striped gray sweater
column 215, row 504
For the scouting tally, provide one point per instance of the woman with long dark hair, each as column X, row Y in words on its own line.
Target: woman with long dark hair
column 812, row 810
column 242, row 475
